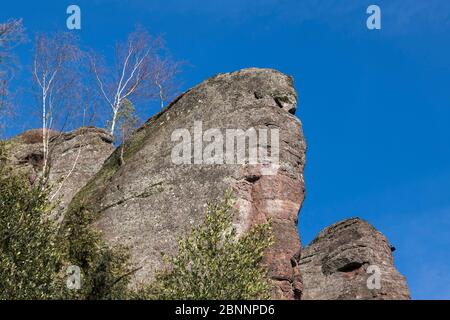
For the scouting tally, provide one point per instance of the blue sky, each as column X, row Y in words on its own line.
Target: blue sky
column 375, row 105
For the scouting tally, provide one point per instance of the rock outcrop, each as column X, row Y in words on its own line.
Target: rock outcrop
column 338, row 263
column 74, row 159
column 151, row 196
column 233, row 131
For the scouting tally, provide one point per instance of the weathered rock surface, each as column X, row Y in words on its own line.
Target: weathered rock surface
column 335, row 265
column 148, row 202
column 74, row 158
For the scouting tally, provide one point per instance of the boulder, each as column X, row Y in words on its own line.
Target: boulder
column 75, row 157
column 351, row 260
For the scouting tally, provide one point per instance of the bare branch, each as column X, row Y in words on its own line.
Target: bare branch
column 12, row 34
column 100, row 83
column 55, row 64
column 134, row 73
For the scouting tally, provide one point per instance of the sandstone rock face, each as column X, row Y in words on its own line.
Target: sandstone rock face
column 75, row 157
column 151, row 200
column 336, row 264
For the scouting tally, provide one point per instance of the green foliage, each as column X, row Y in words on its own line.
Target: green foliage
column 127, row 119
column 214, row 263
column 105, row 270
column 30, row 254
column 128, row 122
column 3, row 153
column 35, row 253
column 127, row 114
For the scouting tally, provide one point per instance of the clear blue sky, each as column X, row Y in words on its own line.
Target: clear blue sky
column 375, row 105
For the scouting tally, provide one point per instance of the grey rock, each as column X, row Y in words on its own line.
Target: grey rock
column 336, row 265
column 75, row 157
column 148, row 202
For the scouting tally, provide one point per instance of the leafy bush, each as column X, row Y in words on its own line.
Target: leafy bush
column 30, row 254
column 3, row 154
column 105, row 270
column 213, row 262
column 35, row 253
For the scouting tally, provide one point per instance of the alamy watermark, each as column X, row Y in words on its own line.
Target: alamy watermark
column 227, row 146
column 73, row 280
column 374, row 20
column 374, row 280
column 73, row 22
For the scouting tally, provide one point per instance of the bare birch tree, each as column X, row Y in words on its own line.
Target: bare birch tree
column 164, row 73
column 139, row 72
column 55, row 64
column 11, row 35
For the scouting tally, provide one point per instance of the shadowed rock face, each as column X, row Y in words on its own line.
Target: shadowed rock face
column 75, row 157
column 336, row 264
column 148, row 202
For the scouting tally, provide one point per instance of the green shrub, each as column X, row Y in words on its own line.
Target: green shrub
column 213, row 262
column 105, row 270
column 31, row 256
column 35, row 253
column 3, row 154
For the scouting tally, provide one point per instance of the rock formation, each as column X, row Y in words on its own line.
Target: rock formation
column 155, row 187
column 74, row 158
column 336, row 265
column 153, row 198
